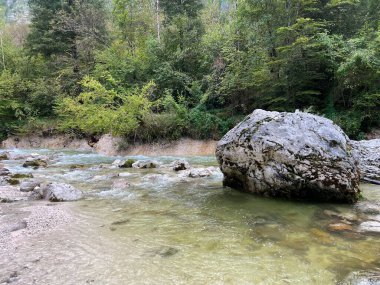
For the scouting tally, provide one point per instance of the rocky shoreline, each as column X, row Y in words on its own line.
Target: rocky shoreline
column 110, row 145
column 27, row 220
column 34, row 217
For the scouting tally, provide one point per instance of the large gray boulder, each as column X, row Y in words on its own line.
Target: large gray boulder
column 368, row 155
column 291, row 155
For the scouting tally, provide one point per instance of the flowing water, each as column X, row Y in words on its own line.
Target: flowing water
column 169, row 230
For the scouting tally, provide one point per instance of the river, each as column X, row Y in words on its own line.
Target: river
column 164, row 229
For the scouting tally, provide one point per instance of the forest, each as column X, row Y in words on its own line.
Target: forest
column 149, row 70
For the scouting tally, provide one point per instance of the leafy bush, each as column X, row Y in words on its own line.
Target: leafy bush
column 205, row 125
column 350, row 122
column 169, row 121
column 98, row 110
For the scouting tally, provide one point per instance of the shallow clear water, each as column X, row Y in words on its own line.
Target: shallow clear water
column 167, row 230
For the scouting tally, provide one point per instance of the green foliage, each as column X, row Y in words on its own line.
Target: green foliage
column 151, row 70
column 42, row 38
column 167, row 120
column 98, row 110
column 206, row 125
column 134, row 20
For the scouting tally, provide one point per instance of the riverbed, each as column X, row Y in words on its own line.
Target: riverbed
column 154, row 226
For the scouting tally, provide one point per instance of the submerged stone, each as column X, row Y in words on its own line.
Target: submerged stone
column 291, row 155
column 120, row 184
column 167, row 251
column 77, row 166
column 337, row 227
column 121, row 222
column 321, row 236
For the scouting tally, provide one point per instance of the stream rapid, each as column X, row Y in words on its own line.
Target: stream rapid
column 167, row 229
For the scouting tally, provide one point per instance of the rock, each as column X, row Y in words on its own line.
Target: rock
column 3, row 180
column 199, row 172
column 368, row 155
column 291, row 155
column 4, row 156
column 77, row 166
column 121, row 184
column 343, row 216
column 121, row 163
column 154, row 177
column 120, row 222
column 179, row 165
column 18, row 226
column 368, row 207
column 21, row 175
column 370, row 226
column 128, row 163
column 29, row 185
column 363, row 278
column 35, row 162
column 321, row 236
column 374, row 218
column 60, row 192
column 142, row 164
column 13, row 181
column 117, row 162
column 166, row 251
column 339, row 227
column 4, row 171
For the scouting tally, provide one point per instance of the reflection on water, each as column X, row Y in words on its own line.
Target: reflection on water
column 164, row 229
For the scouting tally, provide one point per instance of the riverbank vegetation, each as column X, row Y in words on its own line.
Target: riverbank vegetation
column 163, row 69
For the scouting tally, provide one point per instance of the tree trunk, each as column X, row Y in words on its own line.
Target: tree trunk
column 158, row 20
column 2, row 50
column 73, row 37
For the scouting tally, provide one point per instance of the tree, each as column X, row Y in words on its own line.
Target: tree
column 135, row 20
column 67, row 32
column 44, row 38
column 181, row 49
